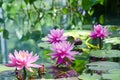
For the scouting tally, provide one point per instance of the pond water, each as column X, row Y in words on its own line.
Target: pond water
column 7, row 75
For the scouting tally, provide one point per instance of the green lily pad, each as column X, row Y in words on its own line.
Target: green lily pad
column 116, row 71
column 71, row 78
column 105, row 53
column 5, row 68
column 77, row 33
column 114, row 40
column 103, row 65
column 111, row 76
column 6, row 71
column 89, row 77
column 44, row 45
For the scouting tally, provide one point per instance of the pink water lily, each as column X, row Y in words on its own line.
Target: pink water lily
column 63, row 52
column 56, row 35
column 100, row 32
column 23, row 59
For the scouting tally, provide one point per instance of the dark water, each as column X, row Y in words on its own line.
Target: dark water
column 7, row 75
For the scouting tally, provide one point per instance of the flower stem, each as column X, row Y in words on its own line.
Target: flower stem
column 100, row 43
column 24, row 76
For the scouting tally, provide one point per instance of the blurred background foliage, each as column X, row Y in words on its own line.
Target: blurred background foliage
column 25, row 23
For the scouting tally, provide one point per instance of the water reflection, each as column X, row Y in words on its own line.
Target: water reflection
column 7, row 75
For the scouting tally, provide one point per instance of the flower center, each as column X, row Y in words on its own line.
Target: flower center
column 23, row 55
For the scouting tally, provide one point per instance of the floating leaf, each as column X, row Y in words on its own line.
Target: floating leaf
column 114, row 40
column 89, row 77
column 71, row 78
column 116, row 71
column 103, row 65
column 105, row 53
column 111, row 76
column 77, row 33
column 9, row 74
column 5, row 68
column 44, row 45
column 115, row 33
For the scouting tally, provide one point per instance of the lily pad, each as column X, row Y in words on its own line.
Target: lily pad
column 114, row 40
column 6, row 72
column 103, row 65
column 71, row 78
column 44, row 45
column 89, row 77
column 116, row 71
column 105, row 53
column 5, row 68
column 113, row 74
column 77, row 33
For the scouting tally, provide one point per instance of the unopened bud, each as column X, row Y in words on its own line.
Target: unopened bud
column 78, row 41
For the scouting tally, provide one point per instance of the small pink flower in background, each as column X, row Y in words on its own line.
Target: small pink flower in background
column 93, row 35
column 23, row 59
column 56, row 35
column 100, row 32
column 63, row 52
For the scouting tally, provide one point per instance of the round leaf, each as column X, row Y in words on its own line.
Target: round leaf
column 103, row 65
column 89, row 77
column 105, row 53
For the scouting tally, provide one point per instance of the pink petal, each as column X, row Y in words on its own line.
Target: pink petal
column 73, row 52
column 50, row 36
column 62, row 56
column 35, row 65
column 20, row 67
column 54, row 56
column 34, row 58
column 16, row 53
column 12, row 58
column 10, row 65
column 60, row 60
column 70, row 57
column 30, row 69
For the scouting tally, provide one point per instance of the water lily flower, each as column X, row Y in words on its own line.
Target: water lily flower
column 23, row 59
column 56, row 35
column 100, row 32
column 63, row 52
